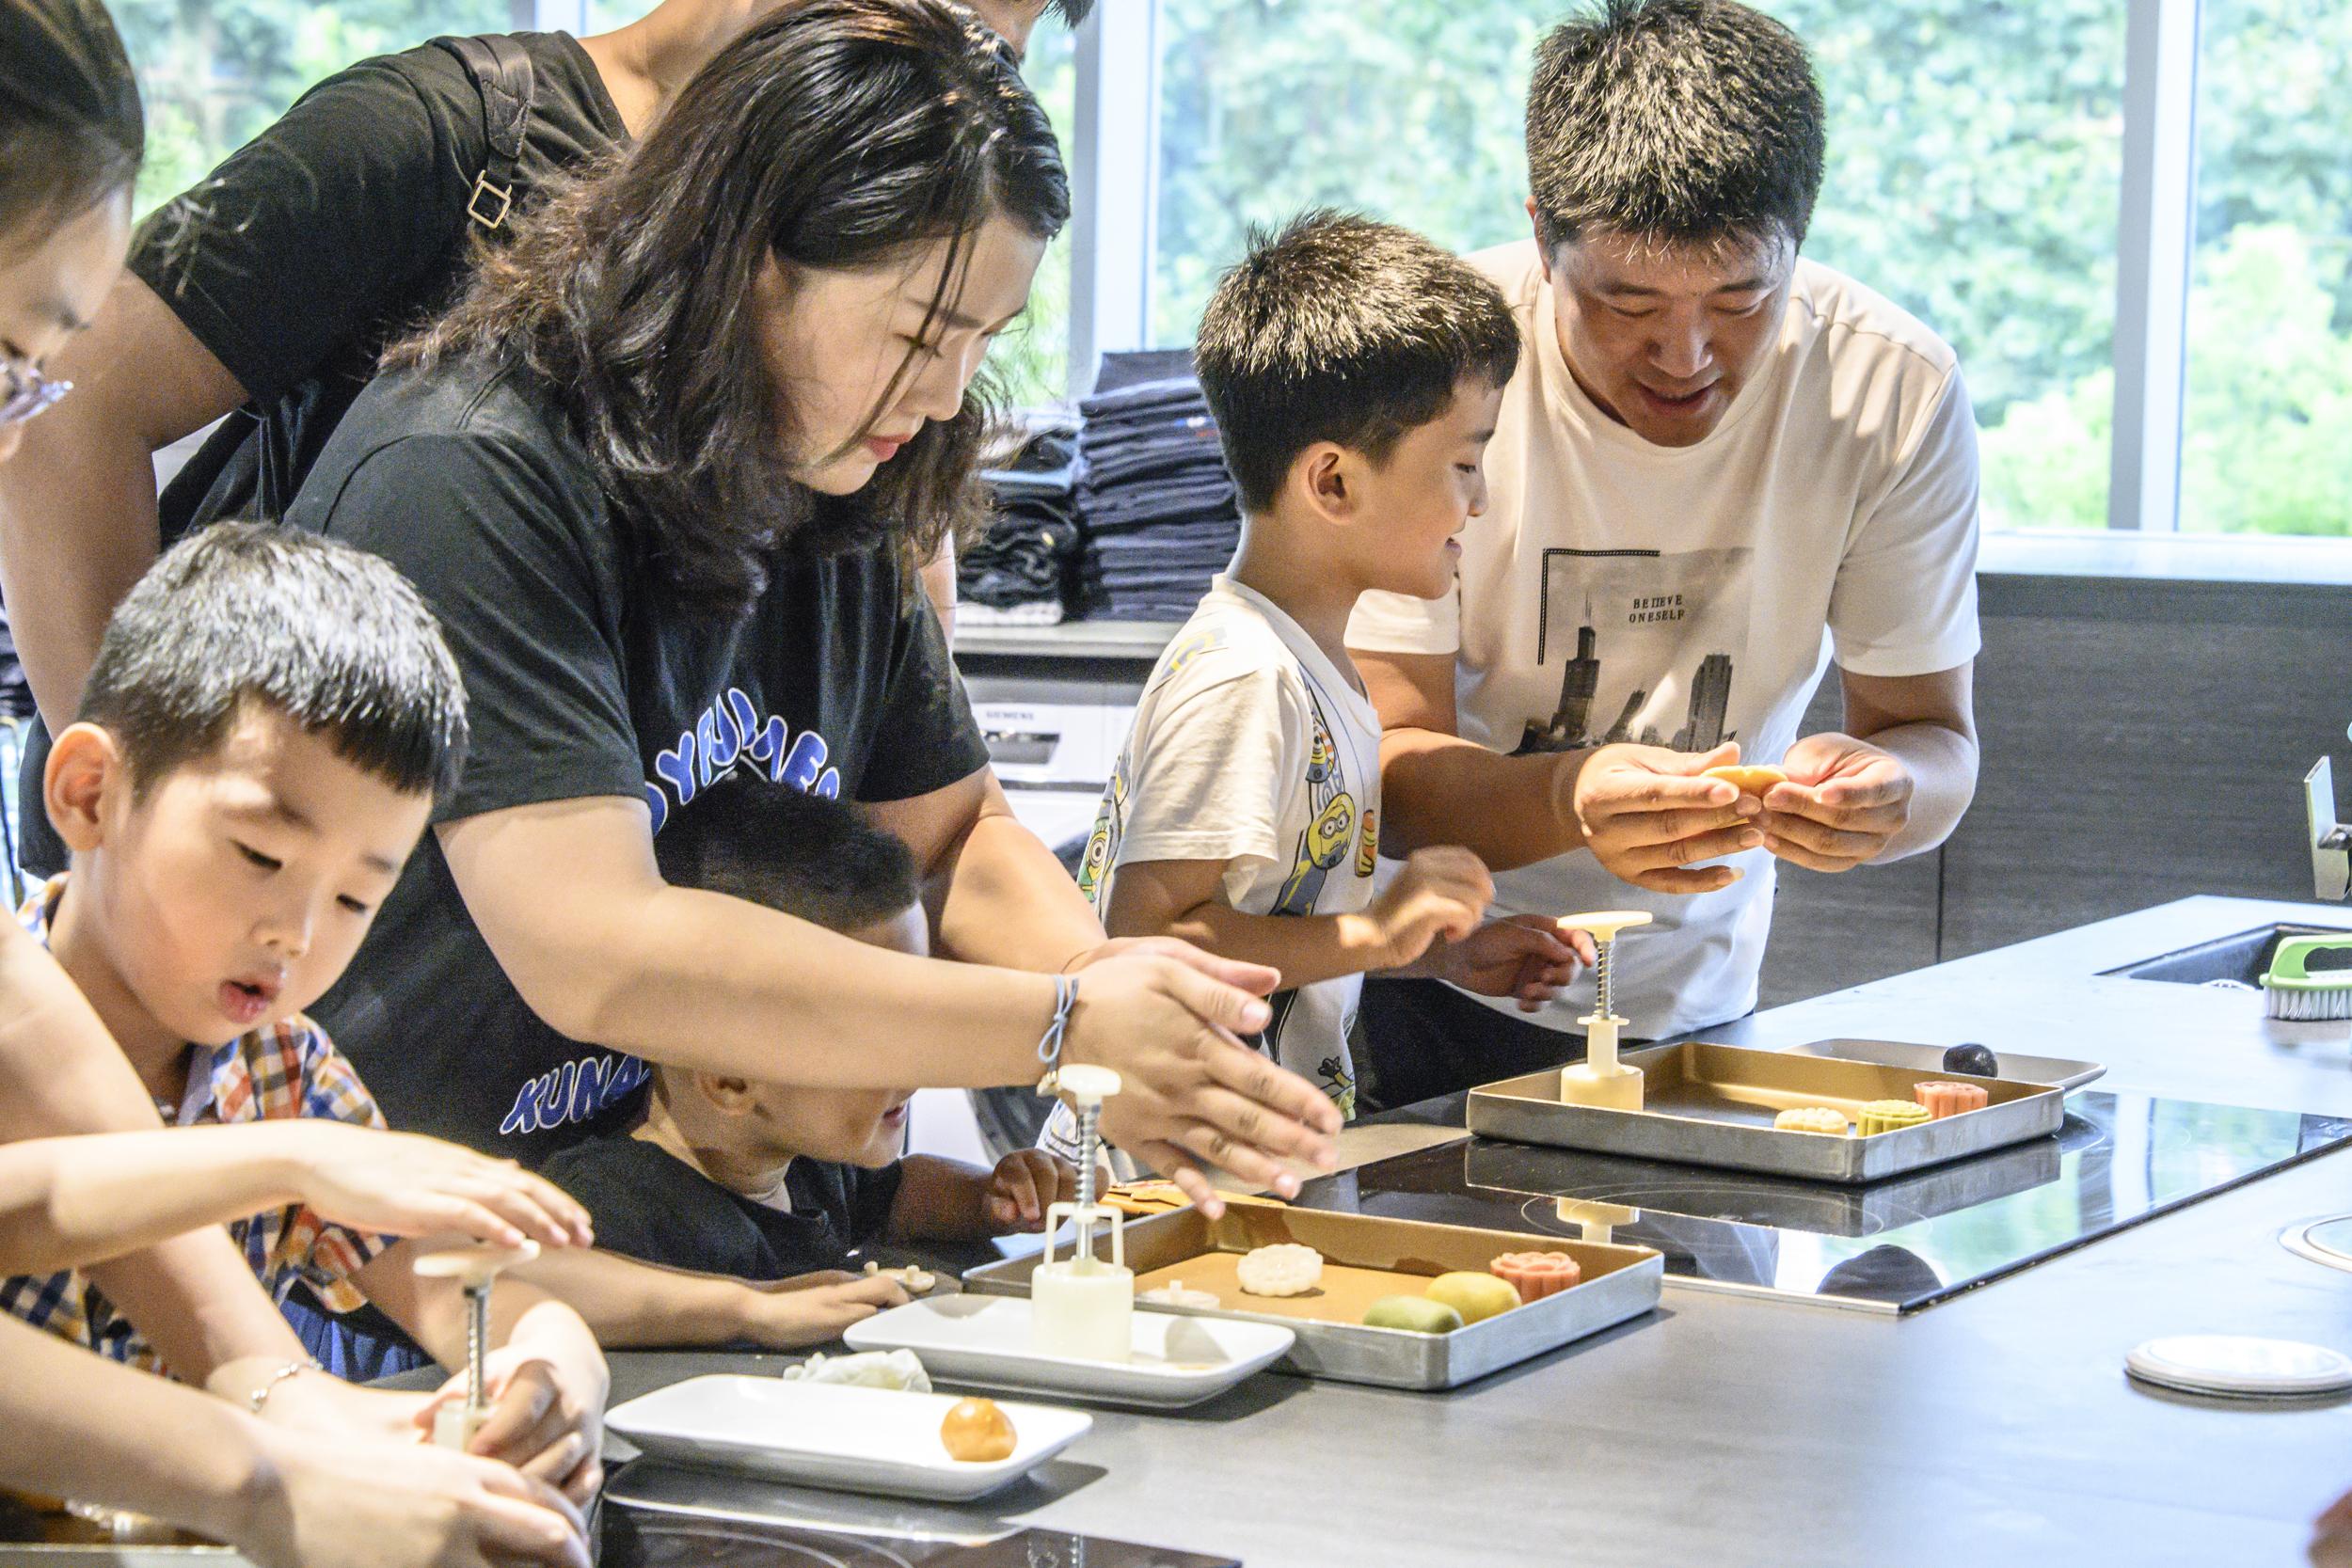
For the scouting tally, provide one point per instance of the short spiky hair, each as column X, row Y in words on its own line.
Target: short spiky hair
column 1341, row 329
column 771, row 844
column 1072, row 12
column 1685, row 121
column 331, row 636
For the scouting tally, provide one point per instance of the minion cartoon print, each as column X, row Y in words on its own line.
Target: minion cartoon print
column 1329, row 835
column 1252, row 749
column 1334, row 1077
column 1110, row 821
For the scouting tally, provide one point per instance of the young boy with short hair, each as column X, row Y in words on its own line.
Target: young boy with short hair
column 268, row 724
column 764, row 1181
column 1354, row 371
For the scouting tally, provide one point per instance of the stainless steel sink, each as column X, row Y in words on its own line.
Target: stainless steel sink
column 2244, row 958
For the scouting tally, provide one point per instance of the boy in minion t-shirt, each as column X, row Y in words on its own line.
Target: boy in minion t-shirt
column 1354, row 371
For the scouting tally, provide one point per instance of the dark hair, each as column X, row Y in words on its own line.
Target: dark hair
column 71, row 133
column 1341, row 329
column 1072, row 12
column 332, row 637
column 1687, row 121
column 836, row 134
column 750, row 838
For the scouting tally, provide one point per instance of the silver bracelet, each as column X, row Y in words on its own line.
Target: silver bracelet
column 260, row 1396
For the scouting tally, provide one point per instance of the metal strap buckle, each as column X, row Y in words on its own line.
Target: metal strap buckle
column 482, row 187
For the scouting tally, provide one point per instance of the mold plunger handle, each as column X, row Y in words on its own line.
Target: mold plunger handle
column 477, row 1349
column 475, row 1269
column 1602, row 1048
column 1604, row 1003
column 1085, row 1088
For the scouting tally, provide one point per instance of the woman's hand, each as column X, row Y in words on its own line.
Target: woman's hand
column 1844, row 804
column 1165, row 1016
column 400, row 1505
column 319, row 1402
column 401, row 1185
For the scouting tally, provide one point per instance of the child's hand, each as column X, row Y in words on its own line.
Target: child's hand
column 815, row 1308
column 547, row 1416
column 1024, row 1184
column 1526, row 956
column 1440, row 895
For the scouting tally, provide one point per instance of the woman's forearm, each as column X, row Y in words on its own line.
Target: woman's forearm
column 69, row 1202
column 720, row 984
column 1308, row 949
column 61, row 1074
column 1009, row 901
column 574, row 908
column 75, row 1425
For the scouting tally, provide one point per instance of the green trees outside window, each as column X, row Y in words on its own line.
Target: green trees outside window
column 1975, row 156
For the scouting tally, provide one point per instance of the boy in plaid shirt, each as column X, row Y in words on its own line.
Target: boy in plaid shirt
column 268, row 724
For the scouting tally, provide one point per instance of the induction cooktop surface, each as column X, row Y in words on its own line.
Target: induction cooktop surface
column 660, row 1515
column 1894, row 1245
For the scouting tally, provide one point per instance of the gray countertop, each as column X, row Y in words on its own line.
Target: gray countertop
column 1997, row 1427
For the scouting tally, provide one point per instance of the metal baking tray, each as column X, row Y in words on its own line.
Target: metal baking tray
column 42, row 1539
column 1620, row 1282
column 115, row 1553
column 1713, row 1106
column 2062, row 1072
column 85, row 1554
column 1552, row 1177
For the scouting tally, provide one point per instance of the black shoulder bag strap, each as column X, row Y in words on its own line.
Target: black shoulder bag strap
column 501, row 72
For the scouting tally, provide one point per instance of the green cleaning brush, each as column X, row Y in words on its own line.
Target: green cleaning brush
column 2293, row 989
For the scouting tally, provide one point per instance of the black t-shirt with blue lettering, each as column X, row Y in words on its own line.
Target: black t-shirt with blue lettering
column 584, row 678
column 648, row 1204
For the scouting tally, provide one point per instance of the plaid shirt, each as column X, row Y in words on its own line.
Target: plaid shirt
column 286, row 1069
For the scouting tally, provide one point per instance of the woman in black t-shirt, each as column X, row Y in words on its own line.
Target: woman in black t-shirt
column 262, row 297
column 660, row 473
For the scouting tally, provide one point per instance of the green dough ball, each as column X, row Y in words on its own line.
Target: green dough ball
column 1417, row 1313
column 1476, row 1296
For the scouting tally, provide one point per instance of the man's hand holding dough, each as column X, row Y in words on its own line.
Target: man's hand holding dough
column 1649, row 817
column 1843, row 805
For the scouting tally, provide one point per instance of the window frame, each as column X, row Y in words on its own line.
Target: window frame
column 1116, row 160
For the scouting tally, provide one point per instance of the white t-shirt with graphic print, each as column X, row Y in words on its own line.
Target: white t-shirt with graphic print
column 1249, row 747
column 1615, row 589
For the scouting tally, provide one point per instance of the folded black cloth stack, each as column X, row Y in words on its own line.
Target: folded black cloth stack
column 1025, row 571
column 1158, row 509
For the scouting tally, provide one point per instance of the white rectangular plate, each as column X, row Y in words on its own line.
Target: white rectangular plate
column 2016, row 1066
column 984, row 1342
column 833, row 1434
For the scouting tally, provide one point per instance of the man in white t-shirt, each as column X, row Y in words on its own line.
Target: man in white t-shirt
column 1717, row 464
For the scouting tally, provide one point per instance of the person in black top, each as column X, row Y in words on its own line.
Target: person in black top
column 659, row 473
column 765, row 1180
column 267, row 293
